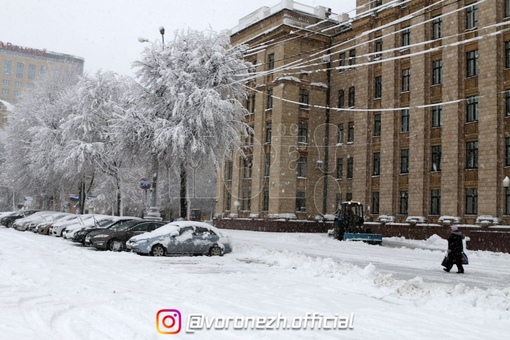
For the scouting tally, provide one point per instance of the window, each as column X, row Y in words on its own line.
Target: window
column 471, row 17
column 304, row 97
column 507, row 201
column 406, row 37
column 265, row 199
column 507, row 153
column 267, row 164
column 31, row 71
column 378, row 49
column 250, row 103
column 20, row 68
column 352, row 96
column 269, row 102
column 247, row 165
column 229, row 168
column 404, row 161
column 472, row 63
column 437, row 66
column 437, row 28
column 404, row 127
column 436, row 158
column 341, row 98
column 246, row 201
column 339, row 168
column 377, row 125
column 507, row 103
column 340, row 139
column 341, row 62
column 270, row 61
column 507, row 53
column 7, row 68
column 352, row 57
column 6, row 82
column 406, row 77
column 472, row 109
column 18, row 84
column 378, row 87
column 375, row 203
column 348, row 196
column 507, row 8
column 268, row 132
column 350, row 167
column 5, row 91
column 350, row 133
column 471, row 201
column 303, row 133
column 338, row 200
column 301, row 167
column 377, row 164
column 403, row 202
column 228, row 201
column 435, row 202
column 300, row 201
column 471, row 155
column 377, row 3
column 437, row 119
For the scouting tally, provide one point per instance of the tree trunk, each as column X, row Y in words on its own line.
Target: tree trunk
column 183, row 198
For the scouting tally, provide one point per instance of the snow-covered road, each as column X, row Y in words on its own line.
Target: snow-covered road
column 53, row 289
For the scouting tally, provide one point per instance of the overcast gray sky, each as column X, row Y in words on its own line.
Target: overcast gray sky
column 105, row 32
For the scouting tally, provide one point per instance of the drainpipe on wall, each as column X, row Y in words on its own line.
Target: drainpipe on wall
column 326, row 136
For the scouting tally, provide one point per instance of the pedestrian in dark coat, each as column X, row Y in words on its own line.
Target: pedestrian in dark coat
column 455, row 249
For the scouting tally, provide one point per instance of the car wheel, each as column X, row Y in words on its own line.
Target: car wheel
column 215, row 251
column 158, row 250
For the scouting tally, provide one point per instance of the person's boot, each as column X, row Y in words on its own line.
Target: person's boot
column 446, row 270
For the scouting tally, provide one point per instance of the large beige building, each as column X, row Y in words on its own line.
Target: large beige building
column 404, row 107
column 22, row 66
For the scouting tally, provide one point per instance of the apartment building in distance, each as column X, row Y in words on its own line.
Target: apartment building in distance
column 22, row 66
column 404, row 107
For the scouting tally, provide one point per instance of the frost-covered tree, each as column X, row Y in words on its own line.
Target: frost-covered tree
column 190, row 110
column 33, row 139
column 90, row 147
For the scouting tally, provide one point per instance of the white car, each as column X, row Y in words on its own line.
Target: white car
column 58, row 228
column 99, row 221
column 22, row 223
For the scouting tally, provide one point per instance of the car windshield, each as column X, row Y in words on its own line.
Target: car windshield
column 125, row 225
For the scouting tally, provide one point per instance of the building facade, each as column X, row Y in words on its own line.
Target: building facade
column 22, row 66
column 404, row 107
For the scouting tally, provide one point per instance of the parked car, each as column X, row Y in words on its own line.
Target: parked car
column 81, row 235
column 9, row 220
column 92, row 222
column 115, row 238
column 57, row 229
column 49, row 218
column 21, row 224
column 44, row 228
column 182, row 237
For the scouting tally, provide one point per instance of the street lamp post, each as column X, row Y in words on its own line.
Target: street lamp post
column 162, row 31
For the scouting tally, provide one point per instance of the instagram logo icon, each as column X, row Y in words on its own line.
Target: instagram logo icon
column 168, row 321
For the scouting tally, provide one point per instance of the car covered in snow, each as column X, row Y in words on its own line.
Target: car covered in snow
column 182, row 237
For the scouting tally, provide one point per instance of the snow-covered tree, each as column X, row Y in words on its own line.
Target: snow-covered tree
column 90, row 147
column 33, row 138
column 190, row 111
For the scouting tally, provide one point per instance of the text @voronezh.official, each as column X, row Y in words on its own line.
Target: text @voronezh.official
column 169, row 321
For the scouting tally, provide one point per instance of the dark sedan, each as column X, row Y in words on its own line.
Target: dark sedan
column 115, row 238
column 81, row 235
